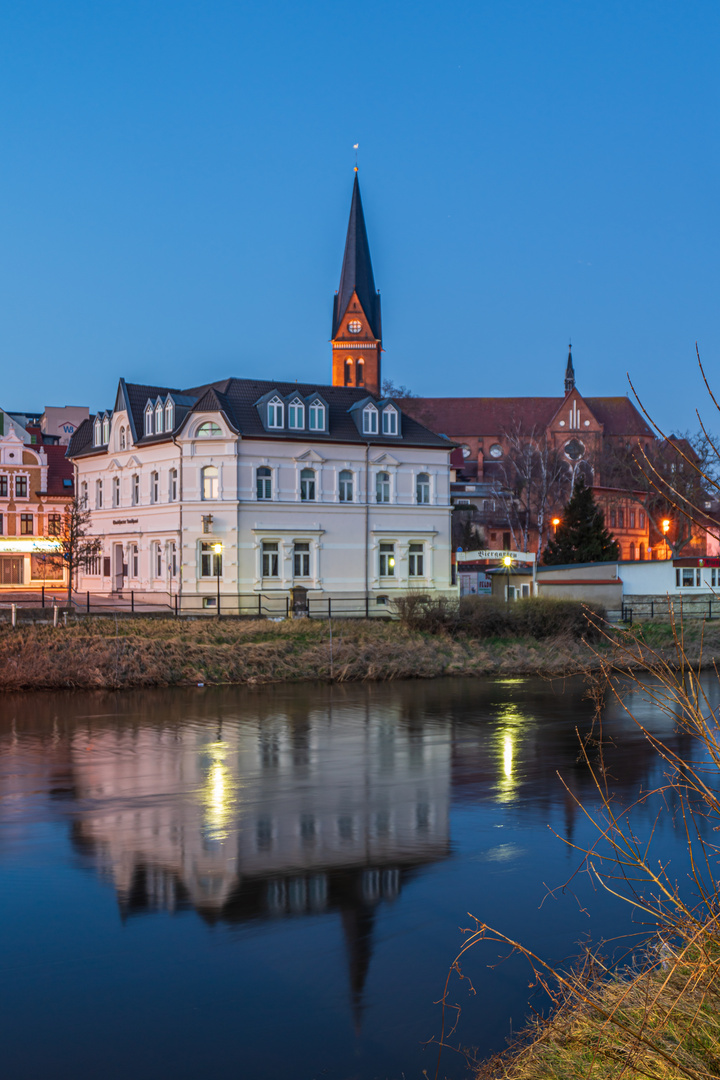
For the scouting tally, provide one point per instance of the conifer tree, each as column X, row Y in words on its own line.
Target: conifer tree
column 581, row 536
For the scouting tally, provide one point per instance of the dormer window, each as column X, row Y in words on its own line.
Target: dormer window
column 169, row 415
column 390, row 421
column 208, row 430
column 106, row 429
column 296, row 415
column 276, row 413
column 158, row 418
column 370, row 420
column 97, row 435
column 149, row 419
column 317, row 416
column 122, row 438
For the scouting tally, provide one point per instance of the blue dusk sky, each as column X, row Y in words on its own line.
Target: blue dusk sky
column 176, row 178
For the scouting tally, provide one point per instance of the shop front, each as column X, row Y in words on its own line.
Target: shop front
column 30, row 564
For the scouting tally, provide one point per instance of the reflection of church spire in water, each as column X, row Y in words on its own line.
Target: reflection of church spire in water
column 358, row 923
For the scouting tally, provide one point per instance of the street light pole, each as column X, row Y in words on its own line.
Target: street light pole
column 217, row 550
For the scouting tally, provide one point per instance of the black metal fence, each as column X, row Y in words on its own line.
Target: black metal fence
column 680, row 607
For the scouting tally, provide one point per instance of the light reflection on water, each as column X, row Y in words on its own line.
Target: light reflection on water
column 280, row 875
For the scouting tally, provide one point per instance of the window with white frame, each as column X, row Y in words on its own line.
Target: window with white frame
column 346, row 486
column 296, row 414
column 173, row 485
column 687, row 577
column 317, row 416
column 84, row 494
column 116, row 491
column 390, row 421
column 422, row 488
column 276, row 413
column 370, row 420
column 307, row 485
column 270, row 559
column 21, row 487
column 173, row 560
column 208, row 430
column 106, row 429
column 210, row 482
column 54, row 524
column 149, row 419
column 382, row 487
column 93, row 566
column 263, row 480
column 158, row 418
column 157, row 556
column 134, row 561
column 97, row 432
column 154, row 487
column 210, row 561
column 98, row 494
column 387, row 559
column 26, row 524
column 301, row 559
column 4, row 486
column 135, row 489
column 416, row 560
column 169, row 415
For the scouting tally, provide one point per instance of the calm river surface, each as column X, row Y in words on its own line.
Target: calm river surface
column 271, row 883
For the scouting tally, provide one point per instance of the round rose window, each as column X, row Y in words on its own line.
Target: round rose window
column 574, row 449
column 354, row 326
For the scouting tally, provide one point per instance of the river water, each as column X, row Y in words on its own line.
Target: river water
column 272, row 883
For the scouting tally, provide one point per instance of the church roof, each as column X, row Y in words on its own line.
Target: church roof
column 357, row 273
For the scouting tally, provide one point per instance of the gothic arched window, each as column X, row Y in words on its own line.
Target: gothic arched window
column 348, row 372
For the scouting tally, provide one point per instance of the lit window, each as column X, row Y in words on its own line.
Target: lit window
column 54, row 521
column 135, row 489
column 154, row 487
column 354, row 326
column 208, row 430
column 382, row 487
column 416, row 560
column 210, row 484
column 296, row 415
column 389, row 422
column 317, row 416
column 116, row 491
column 346, row 486
column 173, row 486
column 264, row 482
column 370, row 420
column 270, row 559
column 422, row 488
column 276, row 412
column 26, row 525
column 301, row 560
column 148, row 419
column 158, row 418
column 307, row 485
column 210, row 561
column 21, row 487
column 387, row 560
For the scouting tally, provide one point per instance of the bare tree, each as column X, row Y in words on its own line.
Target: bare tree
column 534, row 480
column 75, row 549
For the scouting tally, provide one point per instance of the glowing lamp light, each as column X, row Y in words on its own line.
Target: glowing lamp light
column 217, row 548
column 507, row 560
column 666, row 525
column 556, row 522
column 391, row 561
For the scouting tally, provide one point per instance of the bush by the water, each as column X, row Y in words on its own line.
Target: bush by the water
column 474, row 616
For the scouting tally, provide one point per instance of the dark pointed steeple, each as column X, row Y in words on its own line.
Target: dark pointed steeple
column 569, row 373
column 357, row 274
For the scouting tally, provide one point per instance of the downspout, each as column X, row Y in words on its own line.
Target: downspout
column 180, row 542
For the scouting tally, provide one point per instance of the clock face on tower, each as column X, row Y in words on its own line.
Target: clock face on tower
column 354, row 326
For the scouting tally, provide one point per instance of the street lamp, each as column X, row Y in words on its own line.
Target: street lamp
column 507, row 563
column 217, row 551
column 555, row 522
column 665, row 526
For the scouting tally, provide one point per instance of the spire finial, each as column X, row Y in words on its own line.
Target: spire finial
column 355, row 148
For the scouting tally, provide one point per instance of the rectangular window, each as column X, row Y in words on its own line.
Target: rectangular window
column 389, row 422
column 98, row 494
column 346, row 486
column 84, row 494
column 301, row 560
column 621, row 519
column 613, row 519
column 317, row 417
column 3, row 487
column 387, row 560
column 134, row 561
column 26, row 524
column 687, row 577
column 713, row 578
column 154, row 487
column 270, row 560
column 296, row 415
column 275, row 414
column 307, row 485
column 93, row 566
column 173, row 560
column 158, row 561
column 21, row 487
column 116, row 491
column 45, row 568
column 54, row 521
column 632, row 519
column 2, row 526
column 370, row 421
column 135, row 489
column 417, row 560
column 642, row 519
column 210, row 562
column 173, row 492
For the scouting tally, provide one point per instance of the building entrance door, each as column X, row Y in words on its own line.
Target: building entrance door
column 11, row 570
column 119, row 574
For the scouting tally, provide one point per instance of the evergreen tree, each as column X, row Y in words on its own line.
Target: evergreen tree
column 581, row 536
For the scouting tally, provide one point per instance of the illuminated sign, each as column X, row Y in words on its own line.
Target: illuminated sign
column 19, row 547
column 516, row 556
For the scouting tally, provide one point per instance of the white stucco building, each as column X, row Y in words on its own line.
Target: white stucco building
column 323, row 487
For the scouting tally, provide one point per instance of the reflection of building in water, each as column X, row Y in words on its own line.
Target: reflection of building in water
column 274, row 816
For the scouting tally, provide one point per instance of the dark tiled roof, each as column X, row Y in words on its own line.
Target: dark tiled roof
column 236, row 398
column 357, row 273
column 59, row 470
column 619, row 416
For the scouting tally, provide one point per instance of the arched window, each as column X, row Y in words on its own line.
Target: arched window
column 97, row 438
column 317, row 416
column 642, row 552
column 346, row 486
column 348, row 372
column 122, row 438
column 382, row 487
column 210, row 483
column 307, row 485
column 158, row 418
column 264, row 482
column 390, row 421
column 106, row 429
column 422, row 488
column 169, row 415
column 208, row 430
column 360, row 373
column 370, row 420
column 276, row 413
column 296, row 414
column 149, row 419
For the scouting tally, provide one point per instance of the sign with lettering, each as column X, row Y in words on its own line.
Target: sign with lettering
column 125, row 521
column 516, row 556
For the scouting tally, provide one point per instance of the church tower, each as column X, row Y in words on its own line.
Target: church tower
column 356, row 325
